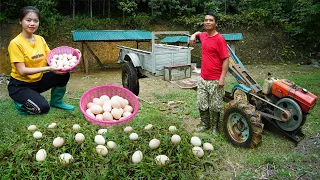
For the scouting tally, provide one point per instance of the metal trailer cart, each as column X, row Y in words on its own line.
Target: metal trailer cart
column 137, row 63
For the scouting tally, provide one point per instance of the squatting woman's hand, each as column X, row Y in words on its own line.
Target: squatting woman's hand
column 56, row 70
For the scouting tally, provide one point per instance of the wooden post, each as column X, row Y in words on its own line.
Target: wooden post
column 84, row 60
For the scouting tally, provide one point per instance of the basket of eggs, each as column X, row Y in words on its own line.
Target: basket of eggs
column 64, row 57
column 108, row 105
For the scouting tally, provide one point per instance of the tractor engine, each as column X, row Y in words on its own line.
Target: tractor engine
column 283, row 88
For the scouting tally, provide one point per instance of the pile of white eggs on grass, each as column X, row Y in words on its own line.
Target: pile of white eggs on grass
column 63, row 61
column 109, row 109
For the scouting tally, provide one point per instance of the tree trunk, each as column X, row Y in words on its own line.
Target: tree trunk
column 73, row 9
column 109, row 6
column 103, row 5
column 91, row 8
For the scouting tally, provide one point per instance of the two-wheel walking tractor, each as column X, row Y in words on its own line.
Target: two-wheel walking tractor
column 280, row 103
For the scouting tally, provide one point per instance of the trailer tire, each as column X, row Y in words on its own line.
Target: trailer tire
column 130, row 78
column 242, row 124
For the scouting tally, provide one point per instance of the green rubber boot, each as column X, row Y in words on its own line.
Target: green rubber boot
column 21, row 110
column 57, row 94
column 215, row 123
column 205, row 120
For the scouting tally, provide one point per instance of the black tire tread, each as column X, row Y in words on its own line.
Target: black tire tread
column 253, row 120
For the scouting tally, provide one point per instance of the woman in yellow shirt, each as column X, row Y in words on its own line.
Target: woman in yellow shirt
column 30, row 74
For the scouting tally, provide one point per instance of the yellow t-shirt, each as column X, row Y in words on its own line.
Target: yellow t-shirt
column 32, row 55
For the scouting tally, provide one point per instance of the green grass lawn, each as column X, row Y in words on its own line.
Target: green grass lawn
column 275, row 158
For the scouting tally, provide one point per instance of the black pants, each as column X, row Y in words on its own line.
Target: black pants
column 29, row 95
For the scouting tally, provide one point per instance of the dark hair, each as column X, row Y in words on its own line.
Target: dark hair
column 212, row 14
column 25, row 10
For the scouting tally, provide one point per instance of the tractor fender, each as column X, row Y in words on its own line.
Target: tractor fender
column 240, row 87
column 133, row 58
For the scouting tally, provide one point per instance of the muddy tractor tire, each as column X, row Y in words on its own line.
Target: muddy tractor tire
column 130, row 78
column 242, row 124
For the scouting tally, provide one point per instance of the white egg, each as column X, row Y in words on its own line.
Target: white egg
column 89, row 105
column 54, row 63
column 79, row 138
column 116, row 113
column 74, row 61
column 198, row 151
column 99, row 140
column 148, row 127
column 94, row 100
column 52, row 125
column 58, row 142
column 175, row 139
column 37, row 134
column 32, row 127
column 115, row 97
column 126, row 102
column 107, row 116
column 74, row 57
column 133, row 136
column 195, row 141
column 60, row 63
column 137, row 157
column 72, row 64
column 96, row 109
column 101, row 150
column 65, row 55
column 115, row 103
column 56, row 56
column 105, row 98
column 126, row 114
column 121, row 111
column 53, row 60
column 99, row 102
column 128, row 129
column 102, row 131
column 106, row 107
column 65, row 62
column 172, row 128
column 69, row 56
column 127, row 108
column 91, row 114
column 66, row 158
column 162, row 160
column 76, row 127
column 111, row 145
column 41, row 155
column 154, row 143
column 88, row 111
column 207, row 147
column 99, row 116
column 122, row 102
column 60, row 56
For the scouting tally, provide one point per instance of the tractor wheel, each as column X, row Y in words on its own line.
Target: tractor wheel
column 242, row 124
column 130, row 78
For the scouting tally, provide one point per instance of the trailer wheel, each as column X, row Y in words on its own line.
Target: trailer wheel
column 242, row 124
column 130, row 78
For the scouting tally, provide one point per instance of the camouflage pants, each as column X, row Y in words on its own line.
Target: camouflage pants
column 209, row 96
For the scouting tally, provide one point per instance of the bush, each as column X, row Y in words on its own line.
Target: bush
column 142, row 21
